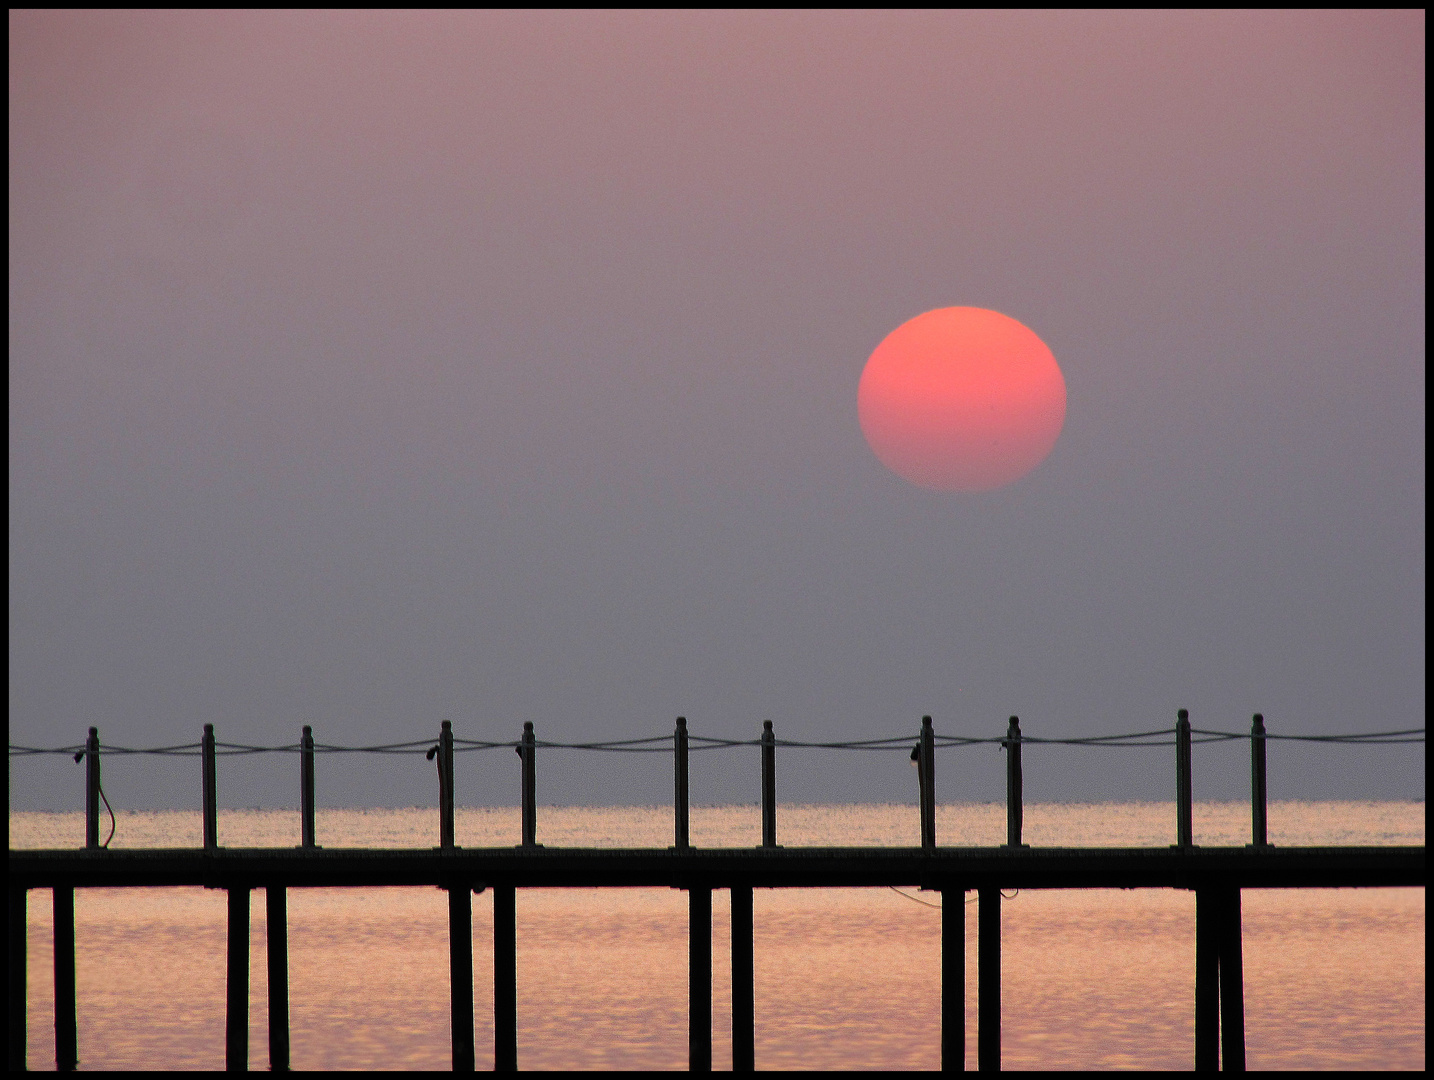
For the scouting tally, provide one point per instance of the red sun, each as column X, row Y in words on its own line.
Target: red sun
column 961, row 399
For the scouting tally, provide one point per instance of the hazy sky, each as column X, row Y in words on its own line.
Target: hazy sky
column 372, row 369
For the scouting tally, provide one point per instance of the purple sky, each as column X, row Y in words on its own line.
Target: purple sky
column 372, row 369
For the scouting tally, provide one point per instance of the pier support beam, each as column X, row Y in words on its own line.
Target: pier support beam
column 276, row 921
column 699, row 979
column 744, row 1050
column 18, row 944
column 988, row 980
column 505, row 979
column 236, row 1015
column 1207, row 981
column 953, row 979
column 1232, row 982
column 67, row 1054
column 460, row 975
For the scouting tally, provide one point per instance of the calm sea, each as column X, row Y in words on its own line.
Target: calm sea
column 845, row 978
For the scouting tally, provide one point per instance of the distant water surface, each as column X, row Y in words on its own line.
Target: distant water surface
column 845, row 978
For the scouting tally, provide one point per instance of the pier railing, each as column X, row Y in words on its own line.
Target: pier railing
column 1217, row 876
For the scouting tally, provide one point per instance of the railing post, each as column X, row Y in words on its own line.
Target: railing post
column 679, row 802
column 1207, row 980
column 276, row 926
column 769, row 785
column 505, row 979
column 744, row 1057
column 18, row 984
column 66, row 1033
column 1015, row 812
column 953, row 978
column 211, row 799
column 445, row 785
column 1184, row 830
column 926, row 765
column 92, row 789
column 988, row 979
column 460, row 974
column 1232, row 982
column 529, row 750
column 306, row 787
column 1258, row 797
column 236, row 1013
column 699, row 979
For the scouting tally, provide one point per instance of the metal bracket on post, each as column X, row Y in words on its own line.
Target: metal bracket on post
column 769, row 786
column 306, row 788
column 1015, row 809
column 211, row 800
column 679, row 777
column 529, row 750
column 1258, row 797
column 1184, row 830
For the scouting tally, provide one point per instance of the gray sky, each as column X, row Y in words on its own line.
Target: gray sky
column 372, row 369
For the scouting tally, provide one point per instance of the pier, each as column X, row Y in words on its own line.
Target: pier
column 1216, row 875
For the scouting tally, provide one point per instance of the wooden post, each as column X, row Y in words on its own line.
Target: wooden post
column 769, row 785
column 699, row 979
column 92, row 789
column 19, row 986
column 744, row 1051
column 953, row 979
column 211, row 799
column 445, row 785
column 276, row 922
column 679, row 776
column 1258, row 800
column 460, row 974
column 505, row 979
column 1207, row 980
column 236, row 1015
column 988, row 980
column 1015, row 811
column 926, row 765
column 1232, row 982
column 66, row 1034
column 306, row 788
column 1183, row 828
column 530, row 784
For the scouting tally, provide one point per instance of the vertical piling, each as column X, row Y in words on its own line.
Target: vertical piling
column 953, row 979
column 460, row 974
column 276, row 922
column 988, row 980
column 699, row 979
column 926, row 764
column 529, row 750
column 505, row 979
column 744, row 1053
column 679, row 777
column 1184, row 830
column 1232, row 982
column 92, row 789
column 211, row 803
column 1258, row 798
column 306, row 788
column 445, row 785
column 1207, row 980
column 18, row 985
column 236, row 1013
column 66, row 1033
column 769, row 785
column 1015, row 811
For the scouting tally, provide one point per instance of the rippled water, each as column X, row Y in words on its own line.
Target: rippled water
column 845, row 978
